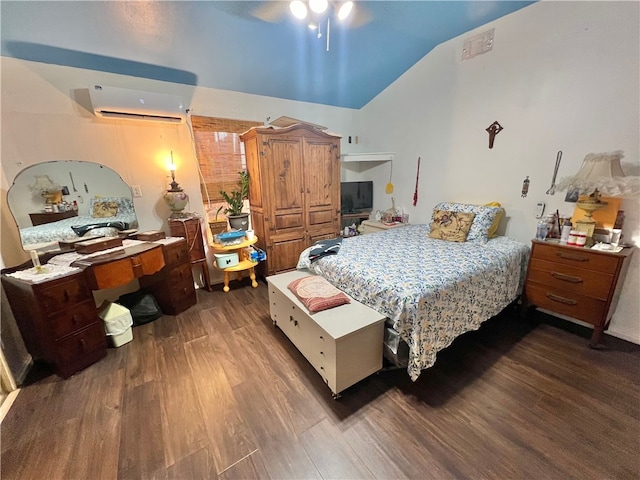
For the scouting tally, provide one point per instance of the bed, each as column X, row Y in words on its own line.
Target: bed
column 431, row 290
column 107, row 216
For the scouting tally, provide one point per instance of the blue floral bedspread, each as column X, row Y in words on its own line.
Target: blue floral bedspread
column 432, row 290
column 61, row 230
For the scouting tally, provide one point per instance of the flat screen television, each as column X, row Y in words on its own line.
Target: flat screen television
column 356, row 197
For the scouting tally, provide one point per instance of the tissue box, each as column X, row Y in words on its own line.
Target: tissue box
column 226, row 260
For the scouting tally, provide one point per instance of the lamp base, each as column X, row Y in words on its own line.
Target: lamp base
column 177, row 201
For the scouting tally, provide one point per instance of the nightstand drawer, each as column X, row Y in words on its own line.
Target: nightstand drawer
column 565, row 277
column 587, row 309
column 576, row 257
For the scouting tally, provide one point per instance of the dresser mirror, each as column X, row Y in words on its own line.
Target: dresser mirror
column 65, row 200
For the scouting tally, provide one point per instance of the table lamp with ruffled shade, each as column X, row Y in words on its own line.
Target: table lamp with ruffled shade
column 600, row 175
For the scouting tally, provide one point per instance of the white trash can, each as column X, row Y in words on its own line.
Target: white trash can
column 117, row 323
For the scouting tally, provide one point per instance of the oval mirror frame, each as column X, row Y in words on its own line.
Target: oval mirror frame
column 43, row 186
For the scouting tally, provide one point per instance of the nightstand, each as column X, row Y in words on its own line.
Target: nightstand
column 370, row 226
column 577, row 282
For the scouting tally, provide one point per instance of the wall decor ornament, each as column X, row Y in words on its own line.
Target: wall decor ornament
column 494, row 129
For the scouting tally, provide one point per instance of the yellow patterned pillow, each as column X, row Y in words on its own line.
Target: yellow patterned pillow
column 104, row 209
column 451, row 226
column 492, row 232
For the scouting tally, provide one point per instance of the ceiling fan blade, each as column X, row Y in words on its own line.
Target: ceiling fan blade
column 272, row 12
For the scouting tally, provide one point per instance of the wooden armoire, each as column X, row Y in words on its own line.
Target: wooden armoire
column 294, row 190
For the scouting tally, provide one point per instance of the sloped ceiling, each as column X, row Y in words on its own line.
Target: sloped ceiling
column 251, row 47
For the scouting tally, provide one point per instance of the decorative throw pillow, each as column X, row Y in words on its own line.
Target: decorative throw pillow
column 317, row 294
column 493, row 229
column 451, row 226
column 482, row 222
column 104, row 209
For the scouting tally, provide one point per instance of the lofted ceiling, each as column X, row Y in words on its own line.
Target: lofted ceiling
column 250, row 47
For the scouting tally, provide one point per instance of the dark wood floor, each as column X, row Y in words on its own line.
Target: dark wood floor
column 218, row 392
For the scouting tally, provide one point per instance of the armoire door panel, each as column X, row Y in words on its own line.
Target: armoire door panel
column 288, row 220
column 284, row 255
column 320, row 217
column 321, row 173
column 252, row 153
column 284, row 173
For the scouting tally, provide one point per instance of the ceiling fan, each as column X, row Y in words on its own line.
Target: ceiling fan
column 318, row 14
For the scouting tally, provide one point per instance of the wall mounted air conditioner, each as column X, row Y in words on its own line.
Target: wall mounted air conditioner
column 114, row 102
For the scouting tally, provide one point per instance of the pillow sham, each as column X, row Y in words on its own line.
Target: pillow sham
column 482, row 222
column 104, row 209
column 493, row 229
column 451, row 226
column 125, row 205
column 317, row 294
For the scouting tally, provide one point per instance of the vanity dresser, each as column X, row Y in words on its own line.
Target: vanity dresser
column 56, row 311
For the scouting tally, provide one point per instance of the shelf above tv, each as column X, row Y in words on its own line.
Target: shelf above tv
column 368, row 157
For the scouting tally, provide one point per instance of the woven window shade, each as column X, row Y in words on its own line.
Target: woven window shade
column 220, row 153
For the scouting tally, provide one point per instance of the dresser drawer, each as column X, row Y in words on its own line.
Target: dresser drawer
column 179, row 275
column 575, row 305
column 576, row 257
column 73, row 318
column 564, row 277
column 74, row 347
column 64, row 295
column 176, row 253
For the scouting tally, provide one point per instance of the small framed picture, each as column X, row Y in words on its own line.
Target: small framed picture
column 572, row 195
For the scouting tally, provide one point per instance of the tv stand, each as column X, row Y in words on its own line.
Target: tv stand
column 347, row 219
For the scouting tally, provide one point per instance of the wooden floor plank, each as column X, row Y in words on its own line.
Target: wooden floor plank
column 141, row 445
column 183, row 432
column 229, row 435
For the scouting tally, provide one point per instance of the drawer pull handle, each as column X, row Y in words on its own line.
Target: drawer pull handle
column 557, row 298
column 566, row 278
column 321, row 353
column 295, row 323
column 321, row 337
column 74, row 320
column 83, row 344
column 577, row 258
column 291, row 318
column 66, row 295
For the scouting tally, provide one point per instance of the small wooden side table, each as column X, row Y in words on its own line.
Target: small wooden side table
column 244, row 263
column 190, row 229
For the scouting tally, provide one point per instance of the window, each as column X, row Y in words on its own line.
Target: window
column 220, row 153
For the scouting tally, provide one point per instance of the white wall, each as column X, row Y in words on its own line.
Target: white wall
column 561, row 76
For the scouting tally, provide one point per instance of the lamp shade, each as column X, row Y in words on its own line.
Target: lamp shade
column 602, row 171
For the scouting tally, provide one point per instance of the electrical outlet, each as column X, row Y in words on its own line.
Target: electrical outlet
column 540, row 209
column 137, row 190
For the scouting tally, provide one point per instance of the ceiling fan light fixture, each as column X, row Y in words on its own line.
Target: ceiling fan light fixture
column 345, row 10
column 298, row 8
column 312, row 26
column 318, row 6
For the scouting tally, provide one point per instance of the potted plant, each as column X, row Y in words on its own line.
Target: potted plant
column 235, row 203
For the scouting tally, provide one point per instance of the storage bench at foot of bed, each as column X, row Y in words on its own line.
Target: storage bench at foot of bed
column 344, row 344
